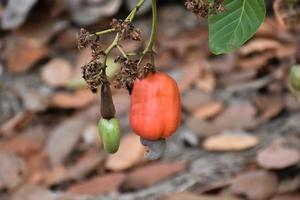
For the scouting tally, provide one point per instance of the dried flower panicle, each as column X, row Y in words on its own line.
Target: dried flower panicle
column 128, row 73
column 126, row 29
column 93, row 74
column 97, row 50
column 145, row 70
column 84, row 39
column 203, row 8
column 217, row 7
column 199, row 7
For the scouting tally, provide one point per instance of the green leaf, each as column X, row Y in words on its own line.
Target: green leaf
column 231, row 29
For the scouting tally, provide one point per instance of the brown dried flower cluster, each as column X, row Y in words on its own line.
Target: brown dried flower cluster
column 128, row 73
column 93, row 73
column 198, row 7
column 84, row 38
column 126, row 29
column 203, row 8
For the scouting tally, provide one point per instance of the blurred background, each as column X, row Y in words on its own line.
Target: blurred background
column 239, row 137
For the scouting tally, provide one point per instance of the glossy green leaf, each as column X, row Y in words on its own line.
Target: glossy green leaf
column 231, row 29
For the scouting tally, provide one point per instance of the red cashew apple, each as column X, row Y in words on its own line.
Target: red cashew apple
column 155, row 106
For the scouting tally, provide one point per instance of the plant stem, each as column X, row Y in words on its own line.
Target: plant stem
column 132, row 14
column 149, row 47
column 110, row 48
column 122, row 51
column 105, row 31
column 114, row 44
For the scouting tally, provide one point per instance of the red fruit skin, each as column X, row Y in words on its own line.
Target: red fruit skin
column 155, row 106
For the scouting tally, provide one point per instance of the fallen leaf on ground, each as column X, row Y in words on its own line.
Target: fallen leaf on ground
column 130, row 153
column 276, row 156
column 209, row 111
column 255, row 185
column 201, row 127
column 152, row 174
column 287, row 197
column 79, row 99
column 98, row 185
column 230, row 141
column 22, row 55
column 88, row 162
column 193, row 99
column 289, row 185
column 37, row 164
column 63, row 138
column 57, row 72
column 34, row 193
column 269, row 106
column 18, row 121
column 190, row 74
column 207, row 82
column 259, row 45
column 192, row 196
column 21, row 144
column 12, row 170
column 237, row 116
column 57, row 174
column 256, row 61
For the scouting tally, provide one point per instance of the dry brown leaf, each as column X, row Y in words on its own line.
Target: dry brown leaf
column 152, row 173
column 130, row 153
column 63, row 138
column 98, row 185
column 88, row 162
column 192, row 196
column 79, row 99
column 237, row 116
column 190, row 74
column 269, row 106
column 209, row 111
column 230, row 141
column 260, row 45
column 57, row 72
column 237, row 77
column 289, row 185
column 276, row 156
column 22, row 55
column 255, row 185
column 286, row 51
column 223, row 64
column 287, row 197
column 193, row 99
column 85, row 164
column 21, row 144
column 37, row 164
column 256, row 61
column 201, row 127
column 12, row 170
column 207, row 82
column 55, row 175
column 16, row 122
column 268, row 28
column 30, row 192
